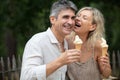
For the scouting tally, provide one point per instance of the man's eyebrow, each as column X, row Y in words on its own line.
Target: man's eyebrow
column 65, row 16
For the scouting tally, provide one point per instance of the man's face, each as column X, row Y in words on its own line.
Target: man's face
column 65, row 22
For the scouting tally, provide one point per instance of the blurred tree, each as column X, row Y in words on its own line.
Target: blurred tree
column 20, row 19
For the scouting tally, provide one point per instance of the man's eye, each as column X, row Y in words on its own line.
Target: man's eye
column 66, row 17
column 73, row 17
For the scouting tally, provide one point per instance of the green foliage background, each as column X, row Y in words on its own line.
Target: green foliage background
column 21, row 19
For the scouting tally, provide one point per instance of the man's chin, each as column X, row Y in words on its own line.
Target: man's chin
column 67, row 33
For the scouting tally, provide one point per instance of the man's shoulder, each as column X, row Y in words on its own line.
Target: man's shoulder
column 41, row 35
column 38, row 37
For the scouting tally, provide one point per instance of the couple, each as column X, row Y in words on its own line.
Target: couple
column 47, row 54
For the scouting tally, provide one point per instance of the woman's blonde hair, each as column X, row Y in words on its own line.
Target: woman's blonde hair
column 98, row 20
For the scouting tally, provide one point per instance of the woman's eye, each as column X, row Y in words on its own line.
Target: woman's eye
column 84, row 17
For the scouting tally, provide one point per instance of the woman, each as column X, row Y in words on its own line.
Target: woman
column 92, row 65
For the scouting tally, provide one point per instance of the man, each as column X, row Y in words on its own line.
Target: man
column 46, row 56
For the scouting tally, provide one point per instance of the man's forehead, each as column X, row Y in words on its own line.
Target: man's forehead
column 67, row 12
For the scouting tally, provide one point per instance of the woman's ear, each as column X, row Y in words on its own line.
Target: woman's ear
column 93, row 27
column 52, row 19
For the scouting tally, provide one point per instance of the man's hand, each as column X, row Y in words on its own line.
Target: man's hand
column 70, row 56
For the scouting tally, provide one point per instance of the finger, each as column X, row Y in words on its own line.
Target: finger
column 73, row 50
column 73, row 54
column 74, row 58
column 104, row 58
column 104, row 62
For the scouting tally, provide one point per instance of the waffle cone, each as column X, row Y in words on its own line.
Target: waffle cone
column 78, row 46
column 104, row 51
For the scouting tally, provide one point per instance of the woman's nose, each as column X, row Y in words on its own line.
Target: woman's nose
column 77, row 18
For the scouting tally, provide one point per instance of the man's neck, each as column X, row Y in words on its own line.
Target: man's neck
column 58, row 36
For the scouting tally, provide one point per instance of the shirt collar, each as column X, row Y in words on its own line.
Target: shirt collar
column 51, row 36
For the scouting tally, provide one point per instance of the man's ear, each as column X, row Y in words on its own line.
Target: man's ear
column 93, row 27
column 52, row 19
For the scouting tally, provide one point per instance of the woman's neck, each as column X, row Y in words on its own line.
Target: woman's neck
column 83, row 38
column 85, row 43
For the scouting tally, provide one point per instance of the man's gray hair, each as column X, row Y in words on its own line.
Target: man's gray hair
column 62, row 5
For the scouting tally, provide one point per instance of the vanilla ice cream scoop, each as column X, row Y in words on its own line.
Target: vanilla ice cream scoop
column 78, row 42
column 104, row 44
column 104, row 47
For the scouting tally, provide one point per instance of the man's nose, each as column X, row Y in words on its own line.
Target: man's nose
column 71, row 21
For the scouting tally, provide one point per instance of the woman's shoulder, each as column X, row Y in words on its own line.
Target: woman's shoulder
column 98, row 48
column 98, row 44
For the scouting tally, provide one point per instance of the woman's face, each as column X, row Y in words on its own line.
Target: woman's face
column 83, row 22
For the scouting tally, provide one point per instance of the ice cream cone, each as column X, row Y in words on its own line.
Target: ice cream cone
column 78, row 42
column 78, row 46
column 104, row 47
column 104, row 51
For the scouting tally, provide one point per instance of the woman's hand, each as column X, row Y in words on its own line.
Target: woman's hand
column 104, row 65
